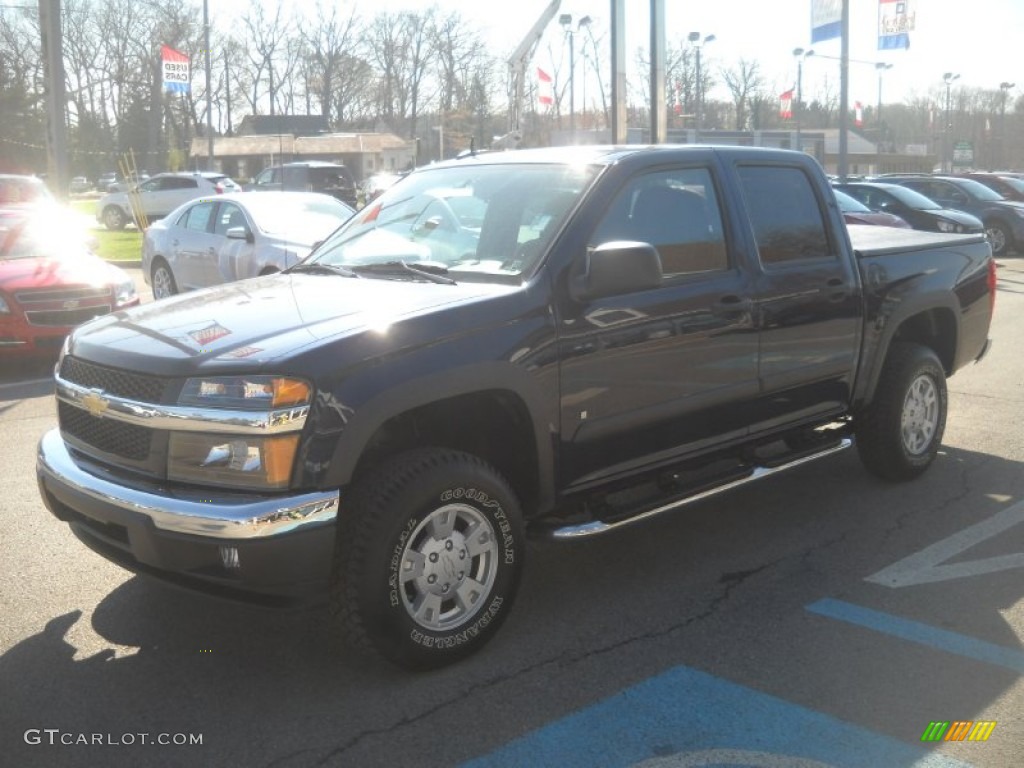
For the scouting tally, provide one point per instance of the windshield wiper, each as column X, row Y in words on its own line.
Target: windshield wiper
column 435, row 273
column 319, row 267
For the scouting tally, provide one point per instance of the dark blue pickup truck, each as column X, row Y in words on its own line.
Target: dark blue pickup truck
column 554, row 342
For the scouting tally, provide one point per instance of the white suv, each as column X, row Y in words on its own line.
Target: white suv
column 159, row 195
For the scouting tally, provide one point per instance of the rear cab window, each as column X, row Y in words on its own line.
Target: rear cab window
column 785, row 215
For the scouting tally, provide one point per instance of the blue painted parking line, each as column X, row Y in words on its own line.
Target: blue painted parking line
column 924, row 634
column 684, row 717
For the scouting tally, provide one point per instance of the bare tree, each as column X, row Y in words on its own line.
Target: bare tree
column 742, row 81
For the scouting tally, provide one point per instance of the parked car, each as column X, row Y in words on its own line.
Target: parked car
column 917, row 210
column 1003, row 219
column 855, row 212
column 19, row 191
column 216, row 240
column 638, row 327
column 105, row 180
column 158, row 196
column 311, row 176
column 1009, row 186
column 79, row 185
column 50, row 282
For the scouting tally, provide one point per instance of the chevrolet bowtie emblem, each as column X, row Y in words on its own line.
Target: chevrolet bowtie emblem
column 95, row 403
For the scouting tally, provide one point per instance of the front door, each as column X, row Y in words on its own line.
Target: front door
column 653, row 375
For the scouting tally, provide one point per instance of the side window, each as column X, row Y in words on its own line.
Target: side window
column 295, row 178
column 198, row 218
column 228, row 216
column 784, row 214
column 269, row 176
column 178, row 182
column 676, row 212
column 150, row 186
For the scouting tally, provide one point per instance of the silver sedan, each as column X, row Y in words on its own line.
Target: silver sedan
column 220, row 239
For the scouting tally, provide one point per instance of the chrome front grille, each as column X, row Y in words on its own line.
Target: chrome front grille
column 64, row 317
column 29, row 296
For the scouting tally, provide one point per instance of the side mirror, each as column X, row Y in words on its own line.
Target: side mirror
column 617, row 268
column 239, row 233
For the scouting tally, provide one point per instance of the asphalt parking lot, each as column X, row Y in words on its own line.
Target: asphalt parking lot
column 819, row 618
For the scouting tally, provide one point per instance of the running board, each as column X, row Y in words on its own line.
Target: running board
column 599, row 526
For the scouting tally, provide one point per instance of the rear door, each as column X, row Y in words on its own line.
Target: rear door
column 652, row 375
column 807, row 294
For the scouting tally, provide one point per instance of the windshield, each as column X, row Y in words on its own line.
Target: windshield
column 978, row 190
column 486, row 222
column 14, row 189
column 23, row 238
column 1010, row 181
column 913, row 198
column 305, row 218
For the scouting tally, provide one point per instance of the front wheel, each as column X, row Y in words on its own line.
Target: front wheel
column 163, row 280
column 428, row 558
column 899, row 433
column 114, row 218
column 999, row 236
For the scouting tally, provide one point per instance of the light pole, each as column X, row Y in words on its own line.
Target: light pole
column 881, row 66
column 948, row 79
column 566, row 21
column 698, row 43
column 1004, row 87
column 584, row 22
column 800, row 55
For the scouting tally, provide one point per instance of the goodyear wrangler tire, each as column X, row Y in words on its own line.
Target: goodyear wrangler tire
column 429, row 556
column 899, row 434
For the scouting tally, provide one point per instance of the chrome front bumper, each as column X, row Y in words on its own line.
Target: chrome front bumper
column 200, row 512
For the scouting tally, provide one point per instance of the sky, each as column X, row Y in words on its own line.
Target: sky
column 978, row 39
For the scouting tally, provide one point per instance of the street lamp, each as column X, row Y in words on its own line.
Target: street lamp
column 698, row 43
column 881, row 66
column 566, row 21
column 948, row 79
column 1003, row 88
column 800, row 55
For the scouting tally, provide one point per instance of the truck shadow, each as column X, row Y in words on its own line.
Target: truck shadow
column 722, row 586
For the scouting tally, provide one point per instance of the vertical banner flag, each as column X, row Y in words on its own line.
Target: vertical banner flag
column 545, row 90
column 858, row 114
column 895, row 21
column 176, row 74
column 786, row 105
column 826, row 19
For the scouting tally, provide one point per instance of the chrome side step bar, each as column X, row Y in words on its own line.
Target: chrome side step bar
column 599, row 526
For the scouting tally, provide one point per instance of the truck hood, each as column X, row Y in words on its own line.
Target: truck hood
column 255, row 322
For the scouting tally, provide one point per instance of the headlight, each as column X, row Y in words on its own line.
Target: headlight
column 4, row 309
column 232, row 460
column 946, row 226
column 124, row 293
column 245, row 392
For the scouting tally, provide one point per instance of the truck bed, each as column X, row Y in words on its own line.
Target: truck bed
column 878, row 241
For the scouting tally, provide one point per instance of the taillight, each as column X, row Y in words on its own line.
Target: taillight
column 991, row 285
column 219, row 188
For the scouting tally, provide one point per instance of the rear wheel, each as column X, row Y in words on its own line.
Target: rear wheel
column 163, row 280
column 428, row 558
column 899, row 434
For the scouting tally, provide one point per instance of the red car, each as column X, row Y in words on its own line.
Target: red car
column 50, row 282
column 855, row 212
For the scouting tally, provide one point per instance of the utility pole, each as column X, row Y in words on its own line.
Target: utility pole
column 56, row 103
column 209, row 100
